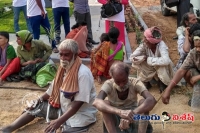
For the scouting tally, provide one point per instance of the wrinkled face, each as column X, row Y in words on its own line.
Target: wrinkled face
column 197, row 43
column 120, row 79
column 192, row 20
column 3, row 40
column 66, row 58
column 19, row 42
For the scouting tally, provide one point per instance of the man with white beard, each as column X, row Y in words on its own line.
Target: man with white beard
column 122, row 106
column 72, row 91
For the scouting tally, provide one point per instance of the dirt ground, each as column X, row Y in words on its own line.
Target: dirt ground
column 11, row 99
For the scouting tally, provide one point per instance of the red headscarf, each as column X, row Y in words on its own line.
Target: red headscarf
column 149, row 36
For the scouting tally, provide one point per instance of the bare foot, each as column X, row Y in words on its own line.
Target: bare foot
column 99, row 79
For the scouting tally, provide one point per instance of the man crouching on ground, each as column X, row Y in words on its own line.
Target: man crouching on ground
column 72, row 91
column 118, row 111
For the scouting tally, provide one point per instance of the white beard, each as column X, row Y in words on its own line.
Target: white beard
column 66, row 64
column 121, row 89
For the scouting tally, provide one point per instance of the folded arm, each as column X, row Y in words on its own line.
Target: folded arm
column 102, row 106
column 138, row 52
column 147, row 105
column 163, row 60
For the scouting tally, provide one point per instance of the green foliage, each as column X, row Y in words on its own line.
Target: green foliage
column 138, row 35
column 5, row 3
column 7, row 22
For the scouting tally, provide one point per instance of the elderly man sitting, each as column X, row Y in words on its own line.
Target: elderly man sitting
column 72, row 91
column 118, row 111
column 151, row 59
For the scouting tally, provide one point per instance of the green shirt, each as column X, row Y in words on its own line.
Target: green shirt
column 119, row 55
column 38, row 50
column 10, row 53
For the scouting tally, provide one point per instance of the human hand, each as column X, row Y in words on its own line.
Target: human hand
column 53, row 126
column 124, row 124
column 166, row 97
column 127, row 114
column 43, row 14
column 31, row 62
column 194, row 79
column 187, row 31
column 39, row 60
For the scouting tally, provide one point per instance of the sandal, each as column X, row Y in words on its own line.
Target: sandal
column 15, row 78
column 55, row 50
column 8, row 79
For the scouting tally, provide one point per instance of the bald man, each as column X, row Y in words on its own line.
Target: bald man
column 122, row 104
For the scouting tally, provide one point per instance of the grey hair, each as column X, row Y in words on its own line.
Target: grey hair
column 69, row 44
column 119, row 67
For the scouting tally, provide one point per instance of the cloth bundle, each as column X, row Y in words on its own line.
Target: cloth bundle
column 111, row 8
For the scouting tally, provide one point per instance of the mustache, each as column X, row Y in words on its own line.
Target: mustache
column 64, row 61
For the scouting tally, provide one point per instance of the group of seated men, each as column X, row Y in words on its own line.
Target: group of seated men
column 73, row 93
column 71, row 100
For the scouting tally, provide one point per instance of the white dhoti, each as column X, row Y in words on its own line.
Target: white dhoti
column 147, row 72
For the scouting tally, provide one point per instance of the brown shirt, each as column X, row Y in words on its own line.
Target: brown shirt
column 192, row 60
column 135, row 87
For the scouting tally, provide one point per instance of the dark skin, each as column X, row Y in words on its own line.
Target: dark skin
column 123, row 95
column 54, row 124
column 150, row 45
column 27, row 46
column 121, row 79
column 177, row 77
column 39, row 3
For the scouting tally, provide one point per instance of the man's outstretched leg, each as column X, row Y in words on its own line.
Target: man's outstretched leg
column 22, row 120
